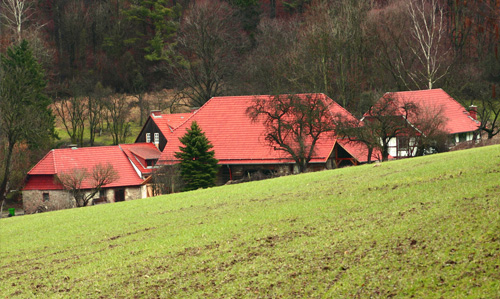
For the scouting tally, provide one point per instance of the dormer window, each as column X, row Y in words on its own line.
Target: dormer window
column 151, row 162
column 148, row 137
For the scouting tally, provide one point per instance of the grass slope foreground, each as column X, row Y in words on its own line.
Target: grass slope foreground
column 425, row 227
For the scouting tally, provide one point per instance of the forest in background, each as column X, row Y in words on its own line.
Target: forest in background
column 104, row 59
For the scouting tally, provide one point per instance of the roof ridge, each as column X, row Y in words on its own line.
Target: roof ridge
column 462, row 106
column 194, row 113
column 54, row 160
column 43, row 159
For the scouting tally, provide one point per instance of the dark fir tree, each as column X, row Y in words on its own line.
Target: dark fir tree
column 25, row 115
column 198, row 165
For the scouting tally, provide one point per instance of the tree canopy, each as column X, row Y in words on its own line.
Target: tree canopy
column 294, row 123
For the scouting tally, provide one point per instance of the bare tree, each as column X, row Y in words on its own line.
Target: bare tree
column 72, row 112
column 294, row 123
column 417, row 127
column 167, row 179
column 77, row 178
column 334, row 48
column 411, row 42
column 118, row 109
column 427, row 28
column 357, row 132
column 95, row 110
column 489, row 114
column 385, row 120
column 388, row 27
column 16, row 14
column 269, row 68
column 209, row 40
column 428, row 134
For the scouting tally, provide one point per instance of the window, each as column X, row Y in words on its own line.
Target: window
column 151, row 162
column 403, row 143
column 45, row 196
column 102, row 193
column 148, row 137
column 157, row 138
column 462, row 137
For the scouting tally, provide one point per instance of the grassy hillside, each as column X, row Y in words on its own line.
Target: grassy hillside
column 426, row 227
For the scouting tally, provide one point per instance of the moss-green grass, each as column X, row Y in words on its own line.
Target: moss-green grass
column 425, row 227
column 104, row 139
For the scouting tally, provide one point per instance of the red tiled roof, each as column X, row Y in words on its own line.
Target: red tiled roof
column 167, row 122
column 42, row 182
column 143, row 150
column 64, row 160
column 359, row 150
column 238, row 140
column 458, row 119
column 138, row 153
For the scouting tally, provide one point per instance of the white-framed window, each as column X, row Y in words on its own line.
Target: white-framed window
column 148, row 137
column 157, row 138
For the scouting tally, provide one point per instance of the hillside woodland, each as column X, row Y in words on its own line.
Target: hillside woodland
column 107, row 63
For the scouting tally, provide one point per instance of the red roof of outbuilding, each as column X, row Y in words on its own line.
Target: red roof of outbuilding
column 359, row 150
column 238, row 140
column 43, row 182
column 64, row 160
column 139, row 152
column 458, row 119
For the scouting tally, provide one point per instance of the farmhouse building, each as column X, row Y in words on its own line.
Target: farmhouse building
column 43, row 190
column 457, row 123
column 239, row 143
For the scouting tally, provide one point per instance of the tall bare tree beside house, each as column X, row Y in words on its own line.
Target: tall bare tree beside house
column 385, row 120
column 357, row 132
column 429, row 46
column 294, row 123
column 411, row 43
column 99, row 176
column 417, row 127
column 489, row 113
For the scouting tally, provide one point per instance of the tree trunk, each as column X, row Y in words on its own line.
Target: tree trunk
column 370, row 151
column 3, row 187
column 272, row 6
column 385, row 150
column 302, row 164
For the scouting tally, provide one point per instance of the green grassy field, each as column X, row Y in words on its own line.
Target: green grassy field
column 425, row 227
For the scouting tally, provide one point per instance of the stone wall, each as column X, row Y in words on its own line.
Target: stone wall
column 51, row 201
column 132, row 193
column 62, row 199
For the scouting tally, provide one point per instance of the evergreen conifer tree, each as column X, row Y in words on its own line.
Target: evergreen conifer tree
column 25, row 115
column 198, row 165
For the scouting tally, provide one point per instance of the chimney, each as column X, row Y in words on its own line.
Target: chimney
column 155, row 113
column 473, row 111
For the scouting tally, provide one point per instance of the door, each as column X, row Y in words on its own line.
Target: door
column 119, row 195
